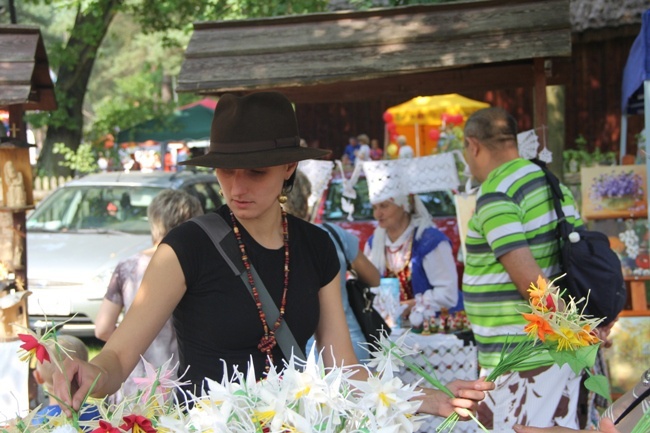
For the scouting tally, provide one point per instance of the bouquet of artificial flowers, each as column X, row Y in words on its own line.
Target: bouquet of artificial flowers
column 556, row 327
column 303, row 398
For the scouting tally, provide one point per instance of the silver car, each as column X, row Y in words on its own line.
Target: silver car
column 78, row 234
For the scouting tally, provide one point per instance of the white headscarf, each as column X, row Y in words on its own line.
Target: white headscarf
column 421, row 219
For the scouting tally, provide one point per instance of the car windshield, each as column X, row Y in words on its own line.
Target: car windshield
column 94, row 208
column 438, row 203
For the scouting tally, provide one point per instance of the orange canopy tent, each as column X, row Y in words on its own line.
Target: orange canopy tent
column 415, row 119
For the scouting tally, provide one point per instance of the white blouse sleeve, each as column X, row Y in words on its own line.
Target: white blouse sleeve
column 440, row 267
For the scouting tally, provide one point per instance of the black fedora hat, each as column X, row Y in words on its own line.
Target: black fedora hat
column 253, row 131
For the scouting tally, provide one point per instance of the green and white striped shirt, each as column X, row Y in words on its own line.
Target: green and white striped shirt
column 514, row 209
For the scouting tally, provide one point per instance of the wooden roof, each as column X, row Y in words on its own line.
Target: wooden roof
column 24, row 70
column 599, row 14
column 424, row 49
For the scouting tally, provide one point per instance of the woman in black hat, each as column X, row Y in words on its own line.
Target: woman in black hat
column 216, row 298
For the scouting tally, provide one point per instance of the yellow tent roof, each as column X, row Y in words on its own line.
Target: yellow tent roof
column 428, row 110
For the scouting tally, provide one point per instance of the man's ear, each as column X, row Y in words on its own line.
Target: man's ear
column 473, row 146
column 38, row 377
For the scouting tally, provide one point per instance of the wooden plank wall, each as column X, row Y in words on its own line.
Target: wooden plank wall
column 593, row 106
column 594, row 92
column 327, row 48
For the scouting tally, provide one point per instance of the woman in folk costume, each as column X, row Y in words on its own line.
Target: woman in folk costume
column 406, row 245
column 219, row 315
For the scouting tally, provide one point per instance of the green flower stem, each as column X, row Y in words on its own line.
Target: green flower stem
column 450, row 422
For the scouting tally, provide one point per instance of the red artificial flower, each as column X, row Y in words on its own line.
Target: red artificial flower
column 137, row 424
column 105, row 427
column 34, row 348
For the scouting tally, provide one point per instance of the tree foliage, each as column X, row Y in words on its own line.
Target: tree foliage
column 111, row 77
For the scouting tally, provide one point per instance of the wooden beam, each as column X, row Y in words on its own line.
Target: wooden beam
column 539, row 93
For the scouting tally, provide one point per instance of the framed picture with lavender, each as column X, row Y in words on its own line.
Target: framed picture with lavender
column 614, row 192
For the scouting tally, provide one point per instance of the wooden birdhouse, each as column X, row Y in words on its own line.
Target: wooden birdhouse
column 13, row 310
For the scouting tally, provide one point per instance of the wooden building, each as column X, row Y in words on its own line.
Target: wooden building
column 344, row 69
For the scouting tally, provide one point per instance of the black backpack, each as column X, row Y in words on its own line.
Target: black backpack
column 592, row 268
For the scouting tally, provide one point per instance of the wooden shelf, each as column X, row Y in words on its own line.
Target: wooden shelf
column 636, row 289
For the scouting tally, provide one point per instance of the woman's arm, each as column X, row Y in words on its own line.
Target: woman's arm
column 162, row 288
column 106, row 321
column 366, row 271
column 440, row 267
column 332, row 334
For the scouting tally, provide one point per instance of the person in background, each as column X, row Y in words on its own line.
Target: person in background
column 510, row 243
column 168, row 209
column 182, row 155
column 43, row 374
column 405, row 150
column 351, row 149
column 376, row 152
column 363, row 153
column 297, row 205
column 216, row 317
column 406, row 245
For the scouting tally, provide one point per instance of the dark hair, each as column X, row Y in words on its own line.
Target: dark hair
column 493, row 126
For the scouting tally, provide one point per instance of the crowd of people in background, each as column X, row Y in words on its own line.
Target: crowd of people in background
column 145, row 159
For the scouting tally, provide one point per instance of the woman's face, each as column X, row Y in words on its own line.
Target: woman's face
column 250, row 193
column 389, row 215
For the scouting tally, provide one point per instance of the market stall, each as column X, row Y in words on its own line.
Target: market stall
column 425, row 120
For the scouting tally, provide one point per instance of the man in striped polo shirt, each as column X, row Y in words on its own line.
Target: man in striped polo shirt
column 510, row 242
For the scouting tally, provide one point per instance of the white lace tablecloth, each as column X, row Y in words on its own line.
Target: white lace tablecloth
column 448, row 359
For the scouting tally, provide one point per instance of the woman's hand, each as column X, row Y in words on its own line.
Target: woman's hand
column 74, row 383
column 409, row 304
column 468, row 394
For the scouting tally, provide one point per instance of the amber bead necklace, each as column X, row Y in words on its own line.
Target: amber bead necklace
column 268, row 341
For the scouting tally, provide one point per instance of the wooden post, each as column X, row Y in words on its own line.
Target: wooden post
column 540, row 104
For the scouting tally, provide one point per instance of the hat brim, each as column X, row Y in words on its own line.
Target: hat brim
column 258, row 159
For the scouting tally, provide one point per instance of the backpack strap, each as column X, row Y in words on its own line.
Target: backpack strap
column 563, row 226
column 224, row 240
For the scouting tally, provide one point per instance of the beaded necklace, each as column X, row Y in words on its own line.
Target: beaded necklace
column 268, row 341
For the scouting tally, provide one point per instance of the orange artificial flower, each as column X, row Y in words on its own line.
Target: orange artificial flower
column 537, row 325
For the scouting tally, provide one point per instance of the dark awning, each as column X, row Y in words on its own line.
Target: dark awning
column 190, row 122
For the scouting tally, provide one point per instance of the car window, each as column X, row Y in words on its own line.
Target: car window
column 334, row 203
column 111, row 208
column 438, row 203
column 207, row 193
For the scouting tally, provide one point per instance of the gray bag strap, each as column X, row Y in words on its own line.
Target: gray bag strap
column 224, row 240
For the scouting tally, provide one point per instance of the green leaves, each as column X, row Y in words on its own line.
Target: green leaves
column 579, row 359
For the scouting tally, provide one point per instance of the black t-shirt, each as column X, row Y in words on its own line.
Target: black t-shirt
column 217, row 318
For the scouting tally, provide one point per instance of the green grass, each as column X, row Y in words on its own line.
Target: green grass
column 94, row 346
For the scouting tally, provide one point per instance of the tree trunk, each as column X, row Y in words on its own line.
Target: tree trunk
column 66, row 123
